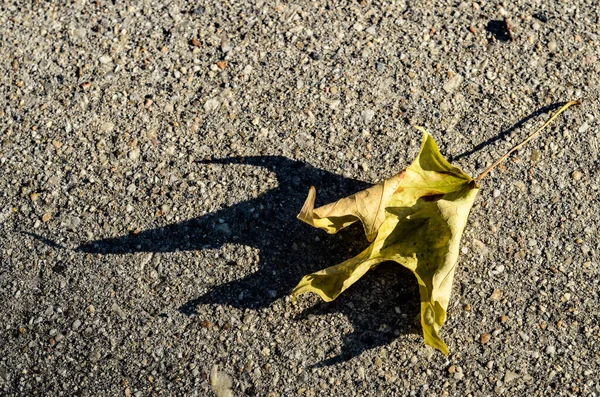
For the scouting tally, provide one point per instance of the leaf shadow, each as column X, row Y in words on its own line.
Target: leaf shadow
column 508, row 131
column 288, row 250
column 381, row 306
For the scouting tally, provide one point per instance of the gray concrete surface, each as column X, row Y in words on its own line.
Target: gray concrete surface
column 154, row 155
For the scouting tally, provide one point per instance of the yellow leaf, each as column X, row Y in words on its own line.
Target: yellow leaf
column 415, row 219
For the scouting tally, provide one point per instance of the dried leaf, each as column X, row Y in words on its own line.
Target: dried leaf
column 415, row 219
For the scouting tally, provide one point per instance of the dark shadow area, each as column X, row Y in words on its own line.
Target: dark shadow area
column 289, row 249
column 508, row 131
column 500, row 30
column 44, row 240
column 381, row 306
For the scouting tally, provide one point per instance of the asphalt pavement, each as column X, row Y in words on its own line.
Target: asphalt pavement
column 154, row 155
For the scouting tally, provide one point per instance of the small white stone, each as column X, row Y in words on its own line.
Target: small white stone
column 105, row 59
column 117, row 309
column 107, row 127
column 524, row 336
column 225, row 45
column 584, row 127
column 550, row 350
column 134, row 154
column 334, row 104
column 367, row 115
column 211, row 105
column 510, row 376
column 453, row 83
column 499, row 269
column 220, row 382
column 480, row 247
column 80, row 33
column 552, row 45
column 247, row 70
column 360, row 372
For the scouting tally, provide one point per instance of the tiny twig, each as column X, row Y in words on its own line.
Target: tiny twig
column 530, row 137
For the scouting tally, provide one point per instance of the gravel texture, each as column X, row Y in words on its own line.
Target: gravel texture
column 154, row 154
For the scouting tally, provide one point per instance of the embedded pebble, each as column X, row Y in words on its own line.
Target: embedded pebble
column 360, row 372
column 105, row 59
column 509, row 376
column 498, row 270
column 211, row 105
column 484, row 338
column 220, row 382
column 80, row 33
column 117, row 309
column 453, row 83
column 480, row 247
column 134, row 154
column 367, row 115
column 107, row 126
column 496, row 295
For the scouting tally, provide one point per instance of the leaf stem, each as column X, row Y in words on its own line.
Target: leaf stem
column 529, row 138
